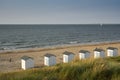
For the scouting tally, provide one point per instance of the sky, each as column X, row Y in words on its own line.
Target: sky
column 59, row 11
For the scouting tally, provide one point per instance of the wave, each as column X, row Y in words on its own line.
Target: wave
column 7, row 48
column 73, row 42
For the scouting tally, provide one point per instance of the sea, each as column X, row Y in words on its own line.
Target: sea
column 15, row 37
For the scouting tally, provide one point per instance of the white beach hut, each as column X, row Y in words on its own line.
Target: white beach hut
column 99, row 53
column 83, row 54
column 111, row 51
column 67, row 56
column 49, row 59
column 27, row 62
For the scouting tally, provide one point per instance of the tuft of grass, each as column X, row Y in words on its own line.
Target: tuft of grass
column 88, row 69
column 115, row 59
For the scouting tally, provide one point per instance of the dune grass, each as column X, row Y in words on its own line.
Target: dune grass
column 89, row 69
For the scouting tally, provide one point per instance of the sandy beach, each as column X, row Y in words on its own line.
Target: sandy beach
column 38, row 54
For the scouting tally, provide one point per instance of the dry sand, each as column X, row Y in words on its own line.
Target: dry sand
column 38, row 54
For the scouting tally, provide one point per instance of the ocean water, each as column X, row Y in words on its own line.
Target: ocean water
column 35, row 36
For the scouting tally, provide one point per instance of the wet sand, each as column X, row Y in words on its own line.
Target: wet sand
column 11, row 60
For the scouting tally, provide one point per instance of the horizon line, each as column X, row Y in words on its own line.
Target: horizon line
column 68, row 24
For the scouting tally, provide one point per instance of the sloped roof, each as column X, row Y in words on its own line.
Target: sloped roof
column 49, row 55
column 84, row 51
column 97, row 49
column 68, row 53
column 112, row 48
column 26, row 57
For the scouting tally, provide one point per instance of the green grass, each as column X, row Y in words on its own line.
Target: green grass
column 89, row 69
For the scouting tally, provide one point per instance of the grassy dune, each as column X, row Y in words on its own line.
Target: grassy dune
column 89, row 69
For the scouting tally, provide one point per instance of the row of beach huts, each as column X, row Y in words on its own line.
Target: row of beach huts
column 50, row 59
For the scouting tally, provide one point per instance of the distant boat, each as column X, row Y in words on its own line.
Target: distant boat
column 101, row 25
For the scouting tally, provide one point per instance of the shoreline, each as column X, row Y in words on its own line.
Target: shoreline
column 38, row 54
column 57, row 47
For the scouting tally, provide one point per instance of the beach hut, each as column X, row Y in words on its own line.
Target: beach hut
column 111, row 51
column 49, row 59
column 27, row 62
column 67, row 56
column 83, row 54
column 98, row 53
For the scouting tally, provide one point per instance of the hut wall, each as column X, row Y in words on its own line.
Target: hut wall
column 98, row 54
column 26, row 64
column 112, row 53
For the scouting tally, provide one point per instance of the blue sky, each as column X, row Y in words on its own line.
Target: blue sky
column 59, row 11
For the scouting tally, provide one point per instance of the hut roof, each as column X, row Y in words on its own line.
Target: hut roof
column 26, row 57
column 83, row 51
column 112, row 48
column 67, row 53
column 98, row 50
column 49, row 55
